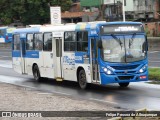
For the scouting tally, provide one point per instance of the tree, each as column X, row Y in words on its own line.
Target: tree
column 29, row 11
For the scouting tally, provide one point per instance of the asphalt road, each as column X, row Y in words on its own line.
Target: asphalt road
column 136, row 96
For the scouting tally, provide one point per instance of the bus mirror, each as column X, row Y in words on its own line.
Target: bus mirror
column 100, row 44
column 146, row 43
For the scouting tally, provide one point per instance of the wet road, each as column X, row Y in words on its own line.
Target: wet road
column 136, row 96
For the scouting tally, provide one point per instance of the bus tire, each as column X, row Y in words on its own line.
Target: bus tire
column 36, row 73
column 123, row 85
column 82, row 79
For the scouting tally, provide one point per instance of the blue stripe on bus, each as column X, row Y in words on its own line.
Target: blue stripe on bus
column 16, row 53
column 29, row 54
column 32, row 54
column 79, row 57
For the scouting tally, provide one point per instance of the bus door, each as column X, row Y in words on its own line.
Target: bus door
column 58, row 58
column 18, row 54
column 23, row 54
column 93, row 60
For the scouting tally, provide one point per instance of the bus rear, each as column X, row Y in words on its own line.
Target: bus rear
column 122, row 54
column 6, row 34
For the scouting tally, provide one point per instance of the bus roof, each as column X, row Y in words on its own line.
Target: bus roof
column 4, row 27
column 70, row 27
column 26, row 30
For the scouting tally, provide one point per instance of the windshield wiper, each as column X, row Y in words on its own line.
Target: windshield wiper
column 132, row 39
column 118, row 40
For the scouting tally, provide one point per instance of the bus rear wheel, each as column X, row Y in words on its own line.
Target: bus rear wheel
column 82, row 79
column 36, row 73
column 123, row 85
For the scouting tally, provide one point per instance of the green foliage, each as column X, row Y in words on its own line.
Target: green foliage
column 29, row 11
column 154, row 74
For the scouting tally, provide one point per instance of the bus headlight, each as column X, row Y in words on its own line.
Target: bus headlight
column 143, row 69
column 107, row 71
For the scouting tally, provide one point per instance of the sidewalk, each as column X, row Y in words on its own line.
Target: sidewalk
column 15, row 98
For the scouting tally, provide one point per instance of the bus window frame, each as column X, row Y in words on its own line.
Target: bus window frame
column 70, row 41
column 51, row 41
column 16, row 44
column 82, row 41
column 35, row 41
column 32, row 42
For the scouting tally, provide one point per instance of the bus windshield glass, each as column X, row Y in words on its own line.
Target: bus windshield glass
column 120, row 48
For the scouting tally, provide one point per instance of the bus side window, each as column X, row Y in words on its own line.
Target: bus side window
column 70, row 41
column 16, row 42
column 38, row 41
column 2, row 32
column 47, row 44
column 29, row 42
column 82, row 41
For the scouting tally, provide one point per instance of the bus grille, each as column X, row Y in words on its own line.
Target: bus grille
column 128, row 72
column 125, row 67
column 125, row 77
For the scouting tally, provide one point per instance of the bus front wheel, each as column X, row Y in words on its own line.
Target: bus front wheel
column 36, row 73
column 82, row 79
column 124, row 84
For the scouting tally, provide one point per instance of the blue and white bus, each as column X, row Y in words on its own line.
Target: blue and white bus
column 6, row 34
column 96, row 52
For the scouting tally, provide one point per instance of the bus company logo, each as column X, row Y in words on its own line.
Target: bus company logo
column 6, row 114
column 78, row 58
column 125, row 72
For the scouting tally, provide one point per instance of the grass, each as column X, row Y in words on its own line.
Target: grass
column 154, row 75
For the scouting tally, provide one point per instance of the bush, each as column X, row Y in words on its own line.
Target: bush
column 154, row 74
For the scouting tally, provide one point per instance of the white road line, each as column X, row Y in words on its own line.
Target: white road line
column 153, row 51
column 4, row 56
column 154, row 61
column 103, row 101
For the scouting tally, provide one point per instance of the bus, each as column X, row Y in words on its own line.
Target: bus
column 95, row 52
column 6, row 34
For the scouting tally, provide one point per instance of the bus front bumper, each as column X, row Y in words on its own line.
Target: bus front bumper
column 106, row 79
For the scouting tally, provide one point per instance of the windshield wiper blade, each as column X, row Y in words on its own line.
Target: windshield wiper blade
column 118, row 40
column 132, row 39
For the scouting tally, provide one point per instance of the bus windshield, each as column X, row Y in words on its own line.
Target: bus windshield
column 120, row 48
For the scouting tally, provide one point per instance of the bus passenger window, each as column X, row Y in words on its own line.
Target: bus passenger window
column 16, row 42
column 38, row 41
column 47, row 42
column 29, row 42
column 70, row 41
column 2, row 32
column 82, row 41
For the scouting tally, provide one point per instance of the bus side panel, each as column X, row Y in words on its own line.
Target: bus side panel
column 41, row 65
column 48, row 70
column 31, row 58
column 16, row 61
column 72, row 62
column 2, row 35
column 2, row 40
column 69, row 69
column 86, row 68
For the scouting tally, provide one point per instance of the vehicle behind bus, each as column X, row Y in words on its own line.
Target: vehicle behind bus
column 6, row 34
column 97, row 52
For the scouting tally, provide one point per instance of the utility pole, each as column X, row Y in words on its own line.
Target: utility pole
column 124, row 18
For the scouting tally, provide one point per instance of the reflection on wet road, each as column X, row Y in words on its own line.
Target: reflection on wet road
column 136, row 96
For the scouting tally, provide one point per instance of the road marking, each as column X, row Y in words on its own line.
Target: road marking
column 103, row 101
column 154, row 61
column 153, row 51
column 4, row 56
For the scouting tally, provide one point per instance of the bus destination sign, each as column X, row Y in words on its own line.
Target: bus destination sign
column 121, row 29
